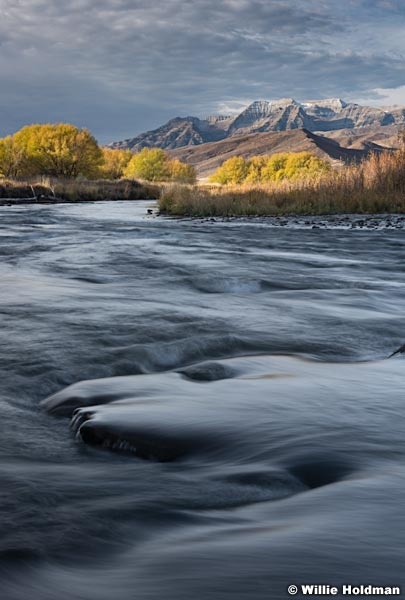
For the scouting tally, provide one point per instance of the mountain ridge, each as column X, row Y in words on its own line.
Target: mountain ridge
column 206, row 158
column 261, row 116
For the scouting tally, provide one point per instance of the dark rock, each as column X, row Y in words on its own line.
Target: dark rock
column 400, row 350
column 209, row 371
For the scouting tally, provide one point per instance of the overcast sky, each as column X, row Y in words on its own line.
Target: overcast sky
column 121, row 67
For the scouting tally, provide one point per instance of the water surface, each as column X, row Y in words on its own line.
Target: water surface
column 240, row 426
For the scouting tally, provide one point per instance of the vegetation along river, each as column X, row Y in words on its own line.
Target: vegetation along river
column 193, row 409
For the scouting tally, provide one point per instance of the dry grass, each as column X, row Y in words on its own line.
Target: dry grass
column 376, row 185
column 78, row 191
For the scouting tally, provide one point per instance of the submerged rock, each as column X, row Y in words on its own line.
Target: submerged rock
column 246, row 406
column 400, row 350
column 209, row 371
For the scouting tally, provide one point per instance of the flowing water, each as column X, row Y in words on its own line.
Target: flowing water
column 200, row 410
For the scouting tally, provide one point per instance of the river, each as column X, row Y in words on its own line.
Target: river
column 198, row 409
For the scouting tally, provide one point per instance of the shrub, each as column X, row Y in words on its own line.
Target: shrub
column 153, row 164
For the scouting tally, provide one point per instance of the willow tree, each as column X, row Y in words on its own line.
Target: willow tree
column 13, row 159
column 115, row 161
column 149, row 164
column 181, row 172
column 154, row 164
column 270, row 168
column 60, row 150
column 305, row 164
column 233, row 170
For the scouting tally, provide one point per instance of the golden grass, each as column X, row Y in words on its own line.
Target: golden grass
column 376, row 185
column 80, row 190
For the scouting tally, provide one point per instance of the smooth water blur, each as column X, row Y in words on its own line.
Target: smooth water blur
column 285, row 453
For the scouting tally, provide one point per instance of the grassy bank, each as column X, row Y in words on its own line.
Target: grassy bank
column 79, row 191
column 376, row 185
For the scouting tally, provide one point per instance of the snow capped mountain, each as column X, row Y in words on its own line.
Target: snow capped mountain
column 332, row 104
column 261, row 116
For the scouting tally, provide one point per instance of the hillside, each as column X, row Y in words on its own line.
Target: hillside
column 286, row 114
column 366, row 137
column 209, row 156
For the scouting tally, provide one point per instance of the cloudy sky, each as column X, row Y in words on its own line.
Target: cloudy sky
column 120, row 67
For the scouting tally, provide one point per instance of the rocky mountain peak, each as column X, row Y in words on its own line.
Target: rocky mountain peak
column 283, row 103
column 260, row 109
column 333, row 104
column 284, row 114
column 212, row 119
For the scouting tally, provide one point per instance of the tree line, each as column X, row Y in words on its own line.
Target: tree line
column 270, row 168
column 65, row 151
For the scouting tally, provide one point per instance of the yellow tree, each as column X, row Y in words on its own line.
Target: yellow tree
column 181, row 172
column 149, row 164
column 114, row 163
column 60, row 150
column 266, row 168
column 154, row 164
column 305, row 164
column 274, row 169
column 13, row 159
column 255, row 166
column 233, row 170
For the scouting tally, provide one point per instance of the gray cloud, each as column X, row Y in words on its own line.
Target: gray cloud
column 120, row 67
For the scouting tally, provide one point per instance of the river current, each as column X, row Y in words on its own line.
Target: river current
column 198, row 409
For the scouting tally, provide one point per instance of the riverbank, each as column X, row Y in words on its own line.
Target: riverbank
column 262, row 201
column 13, row 192
column 375, row 186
